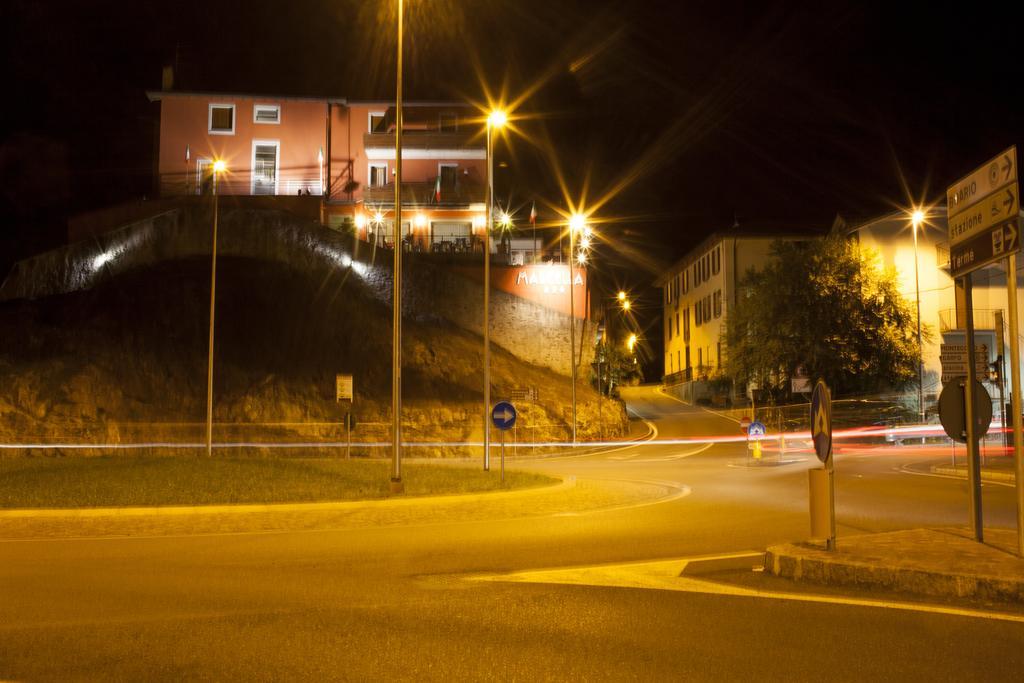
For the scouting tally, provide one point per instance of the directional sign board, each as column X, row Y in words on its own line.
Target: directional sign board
column 982, row 210
column 756, row 430
column 821, row 421
column 503, row 415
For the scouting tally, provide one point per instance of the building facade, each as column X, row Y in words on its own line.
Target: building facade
column 697, row 293
column 342, row 151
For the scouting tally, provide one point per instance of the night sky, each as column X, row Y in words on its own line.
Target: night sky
column 704, row 113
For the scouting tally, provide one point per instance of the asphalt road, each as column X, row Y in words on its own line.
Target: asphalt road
column 402, row 601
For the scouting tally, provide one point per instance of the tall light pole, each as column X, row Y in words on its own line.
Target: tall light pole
column 218, row 168
column 496, row 119
column 576, row 223
column 396, row 307
column 917, row 218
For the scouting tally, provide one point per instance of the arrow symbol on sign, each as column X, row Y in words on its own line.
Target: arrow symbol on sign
column 1009, row 199
column 1009, row 236
column 1008, row 167
column 506, row 415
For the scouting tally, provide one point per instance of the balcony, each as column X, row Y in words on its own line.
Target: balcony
column 461, row 194
column 464, row 141
column 984, row 319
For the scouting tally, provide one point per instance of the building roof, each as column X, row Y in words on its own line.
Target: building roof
column 714, row 238
column 157, row 95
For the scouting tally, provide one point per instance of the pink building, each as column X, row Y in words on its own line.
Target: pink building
column 341, row 151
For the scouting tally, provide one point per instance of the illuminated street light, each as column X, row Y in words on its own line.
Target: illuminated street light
column 917, row 219
column 626, row 304
column 631, row 342
column 495, row 120
column 219, row 167
column 577, row 223
column 396, row 308
column 622, row 295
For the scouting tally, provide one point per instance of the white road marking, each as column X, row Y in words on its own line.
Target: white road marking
column 905, row 469
column 665, row 575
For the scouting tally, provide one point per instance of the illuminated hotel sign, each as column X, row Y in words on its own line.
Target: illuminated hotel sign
column 549, row 279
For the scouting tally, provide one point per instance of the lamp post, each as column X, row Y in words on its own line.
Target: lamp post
column 218, row 168
column 496, row 119
column 576, row 223
column 917, row 219
column 396, row 308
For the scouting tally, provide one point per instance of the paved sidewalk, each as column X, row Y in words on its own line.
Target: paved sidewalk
column 936, row 562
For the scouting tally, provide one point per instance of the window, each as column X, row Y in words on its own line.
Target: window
column 378, row 123
column 698, row 315
column 716, row 261
column 707, row 307
column 685, row 277
column 718, row 303
column 448, row 173
column 668, row 327
column 677, row 324
column 266, row 113
column 378, row 175
column 669, row 357
column 719, row 354
column 222, row 119
column 686, row 324
column 700, row 358
column 447, row 123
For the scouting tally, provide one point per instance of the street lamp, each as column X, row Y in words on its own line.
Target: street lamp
column 917, row 219
column 631, row 342
column 218, row 168
column 577, row 223
column 396, row 308
column 495, row 120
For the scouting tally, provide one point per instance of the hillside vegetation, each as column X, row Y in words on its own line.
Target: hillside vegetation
column 125, row 362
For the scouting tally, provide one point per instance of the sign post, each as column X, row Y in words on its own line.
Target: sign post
column 821, row 433
column 982, row 209
column 503, row 415
column 755, row 432
column 343, row 392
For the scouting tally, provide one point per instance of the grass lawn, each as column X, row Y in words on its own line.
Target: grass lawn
column 35, row 482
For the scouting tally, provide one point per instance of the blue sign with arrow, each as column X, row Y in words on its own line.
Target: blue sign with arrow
column 756, row 430
column 503, row 415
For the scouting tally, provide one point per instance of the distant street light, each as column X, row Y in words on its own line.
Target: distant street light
column 917, row 219
column 622, row 295
column 396, row 307
column 218, row 168
column 631, row 342
column 495, row 120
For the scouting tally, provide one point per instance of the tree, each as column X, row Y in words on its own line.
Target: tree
column 824, row 305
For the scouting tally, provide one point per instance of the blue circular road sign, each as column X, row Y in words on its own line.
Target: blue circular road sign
column 503, row 415
column 757, row 430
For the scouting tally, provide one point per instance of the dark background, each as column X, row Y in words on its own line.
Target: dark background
column 687, row 116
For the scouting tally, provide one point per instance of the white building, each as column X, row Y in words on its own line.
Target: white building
column 698, row 291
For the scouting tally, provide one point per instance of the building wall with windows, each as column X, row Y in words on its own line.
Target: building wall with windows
column 339, row 150
column 697, row 293
column 269, row 145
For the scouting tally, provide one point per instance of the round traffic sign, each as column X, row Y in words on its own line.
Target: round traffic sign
column 503, row 415
column 756, row 430
column 821, row 421
column 952, row 413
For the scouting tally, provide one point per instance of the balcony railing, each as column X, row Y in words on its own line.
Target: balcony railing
column 425, row 140
column 984, row 319
column 424, row 193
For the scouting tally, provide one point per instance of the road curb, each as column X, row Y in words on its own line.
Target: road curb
column 814, row 565
column 184, row 510
column 986, row 475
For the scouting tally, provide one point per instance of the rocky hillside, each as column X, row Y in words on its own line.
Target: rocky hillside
column 125, row 362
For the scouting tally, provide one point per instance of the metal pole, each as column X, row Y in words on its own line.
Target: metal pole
column 213, row 296
column 502, row 456
column 572, row 326
column 1018, row 432
column 348, row 436
column 396, row 308
column 487, row 302
column 920, row 348
column 973, row 466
